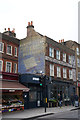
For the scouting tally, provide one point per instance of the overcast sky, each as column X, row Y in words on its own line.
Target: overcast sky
column 57, row 19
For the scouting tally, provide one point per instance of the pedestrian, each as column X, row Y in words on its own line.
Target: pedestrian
column 72, row 99
column 59, row 100
column 76, row 101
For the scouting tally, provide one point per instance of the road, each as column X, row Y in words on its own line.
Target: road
column 69, row 115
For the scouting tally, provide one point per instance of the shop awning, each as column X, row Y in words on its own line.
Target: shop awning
column 12, row 85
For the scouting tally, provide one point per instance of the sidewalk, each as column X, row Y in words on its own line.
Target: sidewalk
column 30, row 113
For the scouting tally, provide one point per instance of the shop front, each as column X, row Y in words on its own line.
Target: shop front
column 65, row 89
column 12, row 96
column 36, row 92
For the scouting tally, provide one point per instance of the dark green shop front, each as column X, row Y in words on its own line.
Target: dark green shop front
column 34, row 97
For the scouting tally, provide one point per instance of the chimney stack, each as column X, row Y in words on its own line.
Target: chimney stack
column 30, row 24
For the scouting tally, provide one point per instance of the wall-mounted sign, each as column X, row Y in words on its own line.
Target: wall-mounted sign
column 37, row 79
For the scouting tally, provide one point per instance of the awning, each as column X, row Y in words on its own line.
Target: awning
column 12, row 85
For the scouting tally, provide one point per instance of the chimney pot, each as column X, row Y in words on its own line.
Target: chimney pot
column 63, row 40
column 8, row 29
column 5, row 29
column 28, row 23
column 31, row 22
column 59, row 41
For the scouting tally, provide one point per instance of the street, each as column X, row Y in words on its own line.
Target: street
column 68, row 115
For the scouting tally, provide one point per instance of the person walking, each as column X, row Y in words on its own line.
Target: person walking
column 59, row 100
column 76, row 101
column 72, row 99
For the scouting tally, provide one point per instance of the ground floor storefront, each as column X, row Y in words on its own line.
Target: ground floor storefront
column 34, row 98
column 12, row 96
column 65, row 89
column 36, row 95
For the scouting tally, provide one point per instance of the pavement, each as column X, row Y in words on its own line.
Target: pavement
column 35, row 112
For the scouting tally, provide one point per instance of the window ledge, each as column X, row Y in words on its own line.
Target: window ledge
column 9, row 54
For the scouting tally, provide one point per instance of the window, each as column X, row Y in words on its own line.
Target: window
column 1, row 65
column 9, row 49
column 58, row 72
column 78, row 62
column 69, row 58
column 15, row 51
column 64, row 57
column 15, row 68
column 58, row 54
column 70, row 74
column 77, row 51
column 51, row 52
column 51, row 70
column 8, row 66
column 1, row 46
column 32, row 96
column 64, row 73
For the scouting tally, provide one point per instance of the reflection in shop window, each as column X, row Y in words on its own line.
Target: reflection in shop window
column 32, row 96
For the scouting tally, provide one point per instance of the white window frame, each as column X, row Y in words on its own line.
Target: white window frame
column 7, row 49
column 77, row 51
column 69, row 59
column 11, row 66
column 58, row 54
column 15, row 71
column 16, row 51
column 1, row 51
column 51, row 70
column 64, row 57
column 58, row 71
column 64, row 73
column 70, row 74
column 51, row 52
column 1, row 65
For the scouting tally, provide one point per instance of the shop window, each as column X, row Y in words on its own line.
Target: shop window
column 8, row 66
column 77, row 51
column 70, row 74
column 1, row 65
column 1, row 46
column 58, row 71
column 51, row 70
column 32, row 96
column 64, row 57
column 51, row 52
column 64, row 73
column 15, row 51
column 15, row 68
column 9, row 49
column 58, row 54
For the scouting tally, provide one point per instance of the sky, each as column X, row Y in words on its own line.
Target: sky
column 57, row 19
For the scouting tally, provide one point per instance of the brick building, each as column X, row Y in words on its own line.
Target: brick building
column 41, row 54
column 9, row 77
column 76, row 47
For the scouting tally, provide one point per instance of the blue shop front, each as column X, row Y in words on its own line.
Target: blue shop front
column 34, row 97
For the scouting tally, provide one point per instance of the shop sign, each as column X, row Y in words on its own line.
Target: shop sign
column 11, row 90
column 37, row 79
